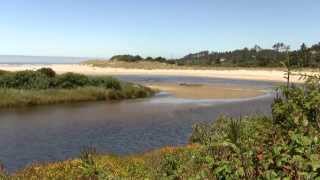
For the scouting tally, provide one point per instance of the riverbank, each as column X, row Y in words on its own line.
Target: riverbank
column 258, row 74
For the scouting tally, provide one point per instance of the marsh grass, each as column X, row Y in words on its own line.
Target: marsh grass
column 28, row 88
column 14, row 97
column 20, row 97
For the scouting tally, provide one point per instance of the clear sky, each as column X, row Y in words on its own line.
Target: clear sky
column 170, row 28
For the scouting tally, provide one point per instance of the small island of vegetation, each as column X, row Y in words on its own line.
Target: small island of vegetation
column 44, row 86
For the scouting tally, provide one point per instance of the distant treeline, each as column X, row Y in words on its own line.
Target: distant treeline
column 257, row 56
column 130, row 58
column 246, row 57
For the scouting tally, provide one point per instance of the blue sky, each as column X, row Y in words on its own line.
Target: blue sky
column 170, row 28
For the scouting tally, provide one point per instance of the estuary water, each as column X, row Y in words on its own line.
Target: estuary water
column 57, row 132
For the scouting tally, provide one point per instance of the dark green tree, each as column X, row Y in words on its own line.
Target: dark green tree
column 305, row 55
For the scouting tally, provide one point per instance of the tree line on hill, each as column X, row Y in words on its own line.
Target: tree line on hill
column 253, row 57
column 257, row 57
column 137, row 58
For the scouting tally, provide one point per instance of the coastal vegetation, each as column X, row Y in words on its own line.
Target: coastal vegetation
column 141, row 64
column 283, row 146
column 304, row 57
column 44, row 86
column 129, row 58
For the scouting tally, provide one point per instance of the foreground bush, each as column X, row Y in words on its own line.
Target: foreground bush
column 48, row 72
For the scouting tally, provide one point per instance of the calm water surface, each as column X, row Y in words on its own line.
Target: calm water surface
column 58, row 132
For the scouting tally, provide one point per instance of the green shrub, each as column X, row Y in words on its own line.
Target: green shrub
column 298, row 105
column 112, row 83
column 106, row 82
column 141, row 93
column 115, row 95
column 170, row 166
column 31, row 80
column 25, row 80
column 126, row 58
column 7, row 81
column 71, row 80
column 286, row 146
column 136, row 91
column 48, row 72
column 90, row 169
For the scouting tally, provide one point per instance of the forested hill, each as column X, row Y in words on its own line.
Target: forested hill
column 257, row 57
column 246, row 57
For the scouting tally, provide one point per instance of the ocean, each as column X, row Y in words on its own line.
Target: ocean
column 16, row 59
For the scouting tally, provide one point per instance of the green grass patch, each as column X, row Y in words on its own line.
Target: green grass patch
column 27, row 88
column 20, row 97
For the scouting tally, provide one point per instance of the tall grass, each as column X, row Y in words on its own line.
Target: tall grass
column 14, row 97
column 21, row 97
column 26, row 88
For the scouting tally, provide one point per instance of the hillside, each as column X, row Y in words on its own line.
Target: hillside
column 275, row 57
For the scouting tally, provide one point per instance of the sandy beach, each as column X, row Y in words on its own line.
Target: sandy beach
column 205, row 91
column 242, row 74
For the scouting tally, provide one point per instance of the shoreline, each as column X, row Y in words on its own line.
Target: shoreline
column 271, row 75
